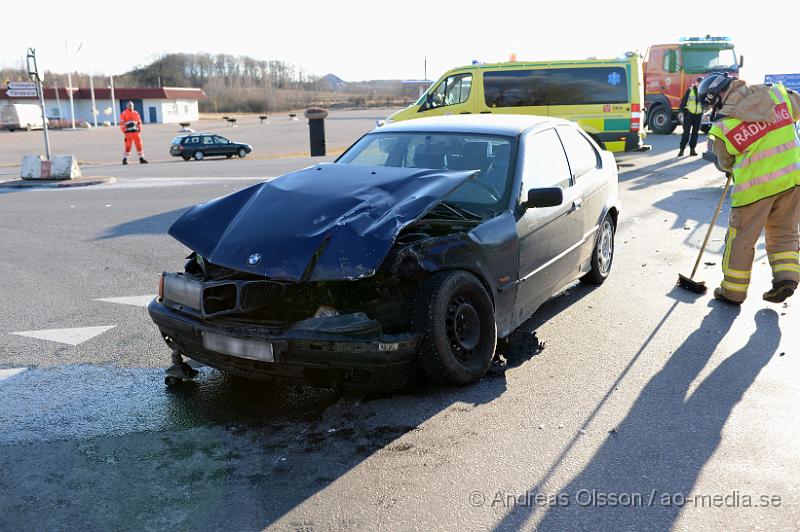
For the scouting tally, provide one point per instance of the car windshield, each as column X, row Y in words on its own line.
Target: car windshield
column 708, row 59
column 485, row 195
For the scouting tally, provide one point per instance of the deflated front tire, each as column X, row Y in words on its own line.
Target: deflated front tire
column 455, row 317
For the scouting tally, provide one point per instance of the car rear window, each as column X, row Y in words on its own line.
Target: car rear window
column 177, row 140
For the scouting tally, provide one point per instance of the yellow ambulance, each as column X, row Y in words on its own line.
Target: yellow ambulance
column 604, row 96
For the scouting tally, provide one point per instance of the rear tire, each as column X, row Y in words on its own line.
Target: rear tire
column 602, row 254
column 659, row 120
column 198, row 155
column 228, row 156
column 185, row 157
column 455, row 317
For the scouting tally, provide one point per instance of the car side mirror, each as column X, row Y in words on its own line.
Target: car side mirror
column 544, row 197
column 427, row 103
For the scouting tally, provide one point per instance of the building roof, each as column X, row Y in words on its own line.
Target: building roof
column 120, row 93
column 506, row 125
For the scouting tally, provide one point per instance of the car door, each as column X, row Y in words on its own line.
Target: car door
column 223, row 146
column 549, row 237
column 590, row 183
column 453, row 95
column 208, row 146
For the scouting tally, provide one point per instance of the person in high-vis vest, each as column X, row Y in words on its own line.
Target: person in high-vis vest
column 131, row 125
column 755, row 139
column 692, row 110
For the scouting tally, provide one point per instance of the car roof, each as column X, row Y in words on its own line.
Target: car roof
column 505, row 125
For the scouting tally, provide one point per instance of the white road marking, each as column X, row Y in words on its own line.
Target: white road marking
column 6, row 373
column 74, row 336
column 136, row 301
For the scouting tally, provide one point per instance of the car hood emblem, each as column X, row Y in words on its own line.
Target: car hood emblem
column 254, row 259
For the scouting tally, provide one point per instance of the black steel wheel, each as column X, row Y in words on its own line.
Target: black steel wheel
column 659, row 119
column 455, row 317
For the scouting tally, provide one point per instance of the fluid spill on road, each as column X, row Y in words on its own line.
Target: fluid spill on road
column 71, row 402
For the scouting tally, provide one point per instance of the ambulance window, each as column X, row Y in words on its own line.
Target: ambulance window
column 592, row 85
column 451, row 91
column 581, row 155
column 544, row 163
column 515, row 88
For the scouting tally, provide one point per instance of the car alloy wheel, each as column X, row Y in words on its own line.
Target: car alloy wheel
column 242, row 153
column 198, row 156
column 605, row 250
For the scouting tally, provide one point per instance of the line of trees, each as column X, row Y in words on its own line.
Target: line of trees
column 236, row 84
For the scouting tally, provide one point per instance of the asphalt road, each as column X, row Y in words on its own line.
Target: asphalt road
column 649, row 408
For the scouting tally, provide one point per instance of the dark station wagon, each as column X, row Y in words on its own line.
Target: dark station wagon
column 198, row 146
column 423, row 244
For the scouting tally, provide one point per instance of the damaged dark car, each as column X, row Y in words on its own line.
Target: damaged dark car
column 424, row 244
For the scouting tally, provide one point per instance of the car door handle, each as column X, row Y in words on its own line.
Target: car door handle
column 465, row 113
column 486, row 112
column 577, row 204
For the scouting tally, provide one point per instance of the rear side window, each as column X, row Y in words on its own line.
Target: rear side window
column 580, row 153
column 581, row 86
column 515, row 88
column 177, row 140
column 544, row 163
column 556, row 86
column 192, row 140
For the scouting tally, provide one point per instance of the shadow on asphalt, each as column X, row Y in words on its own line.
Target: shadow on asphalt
column 157, row 224
column 666, row 438
column 103, row 447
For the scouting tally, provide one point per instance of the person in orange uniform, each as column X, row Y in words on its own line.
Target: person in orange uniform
column 131, row 125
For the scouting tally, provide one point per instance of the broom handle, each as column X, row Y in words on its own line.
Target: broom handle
column 711, row 226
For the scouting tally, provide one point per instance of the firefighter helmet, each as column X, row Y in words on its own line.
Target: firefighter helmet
column 711, row 86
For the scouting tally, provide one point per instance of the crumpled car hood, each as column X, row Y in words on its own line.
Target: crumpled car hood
column 326, row 222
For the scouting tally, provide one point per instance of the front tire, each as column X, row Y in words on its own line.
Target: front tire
column 660, row 120
column 198, row 155
column 242, row 153
column 455, row 317
column 602, row 254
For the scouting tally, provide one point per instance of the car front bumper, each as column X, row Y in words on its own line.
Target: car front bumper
column 358, row 362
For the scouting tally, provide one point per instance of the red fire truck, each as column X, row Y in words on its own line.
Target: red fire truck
column 669, row 70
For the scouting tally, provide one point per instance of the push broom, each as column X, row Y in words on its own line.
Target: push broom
column 689, row 283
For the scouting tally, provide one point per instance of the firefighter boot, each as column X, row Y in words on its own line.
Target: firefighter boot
column 124, row 160
column 781, row 290
column 692, row 152
column 720, row 297
column 680, row 152
column 142, row 160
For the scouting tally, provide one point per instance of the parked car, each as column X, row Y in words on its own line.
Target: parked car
column 426, row 241
column 202, row 145
column 21, row 116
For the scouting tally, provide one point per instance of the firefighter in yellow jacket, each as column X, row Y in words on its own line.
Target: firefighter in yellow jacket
column 131, row 125
column 755, row 139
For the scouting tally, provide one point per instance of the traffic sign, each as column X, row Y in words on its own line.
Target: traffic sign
column 790, row 81
column 22, row 93
column 21, row 85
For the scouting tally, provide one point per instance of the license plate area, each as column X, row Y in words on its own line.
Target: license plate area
column 237, row 347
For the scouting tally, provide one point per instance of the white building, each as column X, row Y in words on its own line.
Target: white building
column 155, row 105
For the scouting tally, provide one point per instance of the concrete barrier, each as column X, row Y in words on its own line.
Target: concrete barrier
column 61, row 167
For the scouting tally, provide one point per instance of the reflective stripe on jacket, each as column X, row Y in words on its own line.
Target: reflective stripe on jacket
column 692, row 105
column 767, row 155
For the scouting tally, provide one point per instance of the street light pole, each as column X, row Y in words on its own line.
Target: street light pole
column 94, row 107
column 33, row 72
